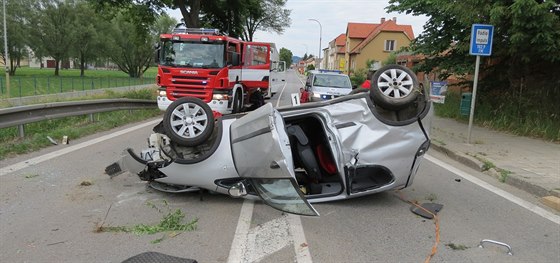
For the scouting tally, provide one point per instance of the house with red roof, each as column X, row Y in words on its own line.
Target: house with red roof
column 334, row 54
column 365, row 41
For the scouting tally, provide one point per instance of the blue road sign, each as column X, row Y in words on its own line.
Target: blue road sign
column 481, row 40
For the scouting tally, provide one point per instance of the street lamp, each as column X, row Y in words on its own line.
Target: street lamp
column 320, row 38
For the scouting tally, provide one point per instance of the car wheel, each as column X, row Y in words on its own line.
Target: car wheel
column 394, row 87
column 188, row 121
column 237, row 103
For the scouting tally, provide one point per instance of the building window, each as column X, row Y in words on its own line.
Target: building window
column 389, row 45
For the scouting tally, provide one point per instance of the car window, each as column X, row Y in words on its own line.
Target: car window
column 282, row 195
column 333, row 81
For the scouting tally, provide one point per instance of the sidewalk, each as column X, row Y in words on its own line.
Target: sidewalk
column 529, row 164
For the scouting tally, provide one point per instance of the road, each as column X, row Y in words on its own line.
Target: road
column 48, row 213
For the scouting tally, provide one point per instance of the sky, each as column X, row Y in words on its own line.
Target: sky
column 303, row 35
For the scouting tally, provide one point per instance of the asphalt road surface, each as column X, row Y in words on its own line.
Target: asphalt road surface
column 49, row 213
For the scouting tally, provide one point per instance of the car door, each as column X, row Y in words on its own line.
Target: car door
column 262, row 155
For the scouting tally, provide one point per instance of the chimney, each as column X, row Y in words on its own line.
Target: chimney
column 382, row 20
column 395, row 19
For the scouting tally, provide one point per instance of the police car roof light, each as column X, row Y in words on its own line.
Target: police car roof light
column 329, row 70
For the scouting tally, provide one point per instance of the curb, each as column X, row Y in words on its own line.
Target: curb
column 515, row 179
column 462, row 158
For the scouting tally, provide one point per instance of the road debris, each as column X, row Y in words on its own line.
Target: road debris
column 52, row 140
column 510, row 252
column 426, row 210
column 86, row 183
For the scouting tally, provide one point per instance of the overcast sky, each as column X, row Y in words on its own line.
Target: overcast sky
column 303, row 35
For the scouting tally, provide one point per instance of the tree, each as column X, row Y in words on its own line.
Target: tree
column 265, row 15
column 17, row 24
column 225, row 15
column 51, row 31
column 526, row 50
column 89, row 33
column 131, row 45
column 286, row 56
column 164, row 24
column 391, row 59
column 237, row 18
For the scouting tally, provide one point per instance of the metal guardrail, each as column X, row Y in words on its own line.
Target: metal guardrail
column 18, row 116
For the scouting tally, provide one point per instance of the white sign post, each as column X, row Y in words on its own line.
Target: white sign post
column 294, row 97
column 481, row 45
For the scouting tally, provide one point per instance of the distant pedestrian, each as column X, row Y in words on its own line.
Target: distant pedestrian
column 366, row 84
column 303, row 96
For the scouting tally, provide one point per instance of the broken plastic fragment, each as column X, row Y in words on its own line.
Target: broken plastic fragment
column 52, row 140
column 432, row 207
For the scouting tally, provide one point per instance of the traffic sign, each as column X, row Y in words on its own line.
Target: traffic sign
column 481, row 40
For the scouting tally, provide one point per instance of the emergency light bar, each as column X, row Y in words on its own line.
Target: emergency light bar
column 198, row 31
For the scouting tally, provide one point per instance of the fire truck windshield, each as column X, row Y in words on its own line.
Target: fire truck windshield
column 192, row 54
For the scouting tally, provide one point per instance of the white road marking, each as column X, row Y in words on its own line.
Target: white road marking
column 268, row 238
column 300, row 243
column 280, row 96
column 512, row 198
column 46, row 157
column 239, row 244
column 254, row 245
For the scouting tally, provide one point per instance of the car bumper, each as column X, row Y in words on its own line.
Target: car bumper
column 163, row 102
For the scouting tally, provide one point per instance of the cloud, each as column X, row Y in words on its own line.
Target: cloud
column 303, row 35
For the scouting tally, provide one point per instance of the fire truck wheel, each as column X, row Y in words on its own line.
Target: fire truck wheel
column 394, row 87
column 188, row 121
column 237, row 103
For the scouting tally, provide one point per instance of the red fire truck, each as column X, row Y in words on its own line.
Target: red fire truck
column 221, row 70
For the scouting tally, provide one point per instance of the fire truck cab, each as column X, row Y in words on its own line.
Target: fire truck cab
column 222, row 71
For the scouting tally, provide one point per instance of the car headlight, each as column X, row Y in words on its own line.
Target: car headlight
column 162, row 93
column 315, row 95
column 220, row 97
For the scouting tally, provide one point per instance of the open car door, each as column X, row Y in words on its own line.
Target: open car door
column 262, row 155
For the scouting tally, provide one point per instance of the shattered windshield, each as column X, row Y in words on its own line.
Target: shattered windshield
column 332, row 81
column 192, row 54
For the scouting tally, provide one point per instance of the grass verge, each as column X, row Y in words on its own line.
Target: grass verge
column 73, row 127
column 34, row 81
column 501, row 113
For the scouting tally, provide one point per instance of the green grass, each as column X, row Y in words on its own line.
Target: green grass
column 505, row 114
column 34, row 81
column 504, row 175
column 170, row 222
column 73, row 127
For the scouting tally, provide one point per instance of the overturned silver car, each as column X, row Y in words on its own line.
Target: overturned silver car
column 351, row 146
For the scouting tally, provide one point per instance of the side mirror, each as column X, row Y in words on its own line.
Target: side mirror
column 237, row 190
column 157, row 49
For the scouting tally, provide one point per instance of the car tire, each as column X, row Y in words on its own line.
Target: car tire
column 394, row 87
column 188, row 121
